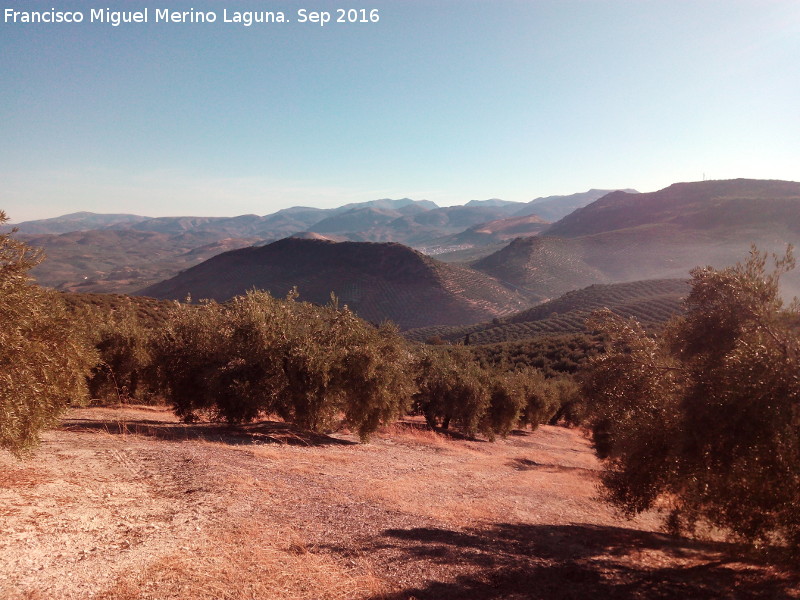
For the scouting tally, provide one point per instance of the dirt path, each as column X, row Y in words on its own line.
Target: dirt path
column 127, row 503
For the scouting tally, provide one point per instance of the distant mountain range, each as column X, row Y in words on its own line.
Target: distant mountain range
column 356, row 218
column 79, row 221
column 120, row 253
column 553, row 208
column 621, row 236
column 109, row 260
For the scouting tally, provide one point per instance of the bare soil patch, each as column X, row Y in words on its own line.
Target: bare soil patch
column 126, row 502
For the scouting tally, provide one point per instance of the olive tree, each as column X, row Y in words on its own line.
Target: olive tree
column 507, row 398
column 312, row 365
column 221, row 361
column 125, row 370
column 44, row 356
column 373, row 374
column 704, row 421
column 451, row 387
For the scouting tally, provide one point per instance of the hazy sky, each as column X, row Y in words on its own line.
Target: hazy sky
column 447, row 100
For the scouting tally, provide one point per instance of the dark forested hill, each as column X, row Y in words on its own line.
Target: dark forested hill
column 378, row 281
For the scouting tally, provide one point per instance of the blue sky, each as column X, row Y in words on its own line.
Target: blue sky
column 448, row 101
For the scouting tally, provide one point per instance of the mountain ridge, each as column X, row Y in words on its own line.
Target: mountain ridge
column 621, row 236
column 664, row 234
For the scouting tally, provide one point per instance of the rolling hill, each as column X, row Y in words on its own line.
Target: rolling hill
column 357, row 219
column 493, row 202
column 651, row 302
column 122, row 253
column 488, row 234
column 151, row 313
column 723, row 208
column 526, row 220
column 542, row 267
column 427, row 231
column 622, row 236
column 378, row 281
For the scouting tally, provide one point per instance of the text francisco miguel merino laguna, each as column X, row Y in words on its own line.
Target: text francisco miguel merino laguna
column 166, row 15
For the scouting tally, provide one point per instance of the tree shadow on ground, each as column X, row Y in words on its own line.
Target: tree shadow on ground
column 262, row 432
column 525, row 464
column 453, row 434
column 515, row 561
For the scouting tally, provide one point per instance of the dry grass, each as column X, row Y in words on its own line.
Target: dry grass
column 247, row 562
column 417, row 432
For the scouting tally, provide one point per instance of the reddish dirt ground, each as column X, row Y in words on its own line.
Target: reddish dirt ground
column 125, row 502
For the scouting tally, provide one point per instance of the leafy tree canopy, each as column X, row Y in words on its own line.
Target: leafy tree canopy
column 704, row 422
column 44, row 357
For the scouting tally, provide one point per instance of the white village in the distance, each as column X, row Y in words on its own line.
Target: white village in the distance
column 492, row 270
